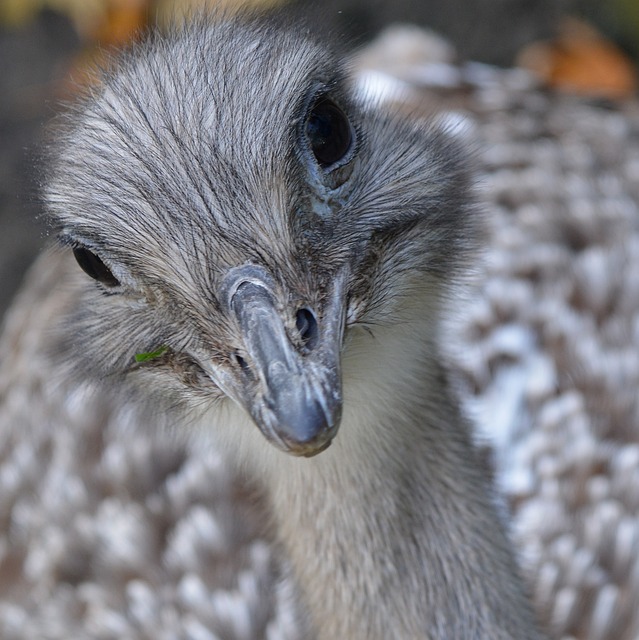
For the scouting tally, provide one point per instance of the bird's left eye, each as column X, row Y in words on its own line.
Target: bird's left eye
column 329, row 133
column 93, row 266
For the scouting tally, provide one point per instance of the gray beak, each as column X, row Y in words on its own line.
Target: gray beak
column 291, row 388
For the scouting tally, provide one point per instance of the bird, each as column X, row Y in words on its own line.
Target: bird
column 259, row 257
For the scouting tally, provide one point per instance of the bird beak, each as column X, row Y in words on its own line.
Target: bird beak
column 292, row 392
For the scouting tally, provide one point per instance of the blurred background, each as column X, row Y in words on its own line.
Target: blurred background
column 47, row 48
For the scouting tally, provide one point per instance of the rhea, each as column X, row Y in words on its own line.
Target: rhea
column 266, row 259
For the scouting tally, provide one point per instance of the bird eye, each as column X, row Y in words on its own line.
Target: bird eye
column 329, row 133
column 94, row 267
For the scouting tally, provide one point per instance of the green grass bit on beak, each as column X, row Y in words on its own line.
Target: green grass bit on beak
column 150, row 355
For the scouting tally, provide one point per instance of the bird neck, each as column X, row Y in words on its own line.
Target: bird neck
column 392, row 531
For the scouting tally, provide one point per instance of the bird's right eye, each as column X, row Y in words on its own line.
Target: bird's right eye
column 94, row 267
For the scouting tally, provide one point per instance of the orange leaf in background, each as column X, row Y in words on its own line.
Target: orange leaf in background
column 117, row 23
column 122, row 20
column 581, row 61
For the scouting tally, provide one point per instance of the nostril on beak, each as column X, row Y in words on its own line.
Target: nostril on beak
column 308, row 328
column 240, row 361
column 242, row 364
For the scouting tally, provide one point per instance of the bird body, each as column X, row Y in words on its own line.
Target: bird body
column 266, row 262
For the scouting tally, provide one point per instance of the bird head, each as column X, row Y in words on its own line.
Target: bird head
column 236, row 212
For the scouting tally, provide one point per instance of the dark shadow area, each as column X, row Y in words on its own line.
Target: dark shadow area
column 34, row 60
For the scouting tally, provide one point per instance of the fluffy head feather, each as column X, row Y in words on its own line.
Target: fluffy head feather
column 192, row 158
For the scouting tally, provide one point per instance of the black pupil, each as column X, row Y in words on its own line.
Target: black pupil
column 329, row 133
column 94, row 267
